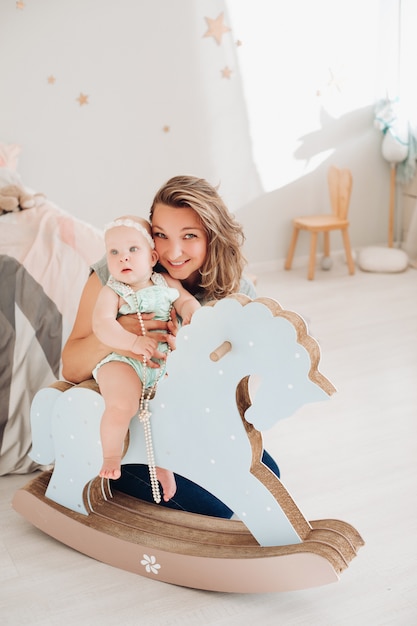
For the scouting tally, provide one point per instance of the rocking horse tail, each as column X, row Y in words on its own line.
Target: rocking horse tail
column 43, row 451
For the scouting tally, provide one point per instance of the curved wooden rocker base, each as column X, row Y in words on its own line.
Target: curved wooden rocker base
column 187, row 549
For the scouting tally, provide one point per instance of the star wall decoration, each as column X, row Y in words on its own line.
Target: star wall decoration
column 226, row 72
column 216, row 28
column 334, row 84
column 51, row 80
column 82, row 99
column 20, row 5
column 336, row 79
column 166, row 128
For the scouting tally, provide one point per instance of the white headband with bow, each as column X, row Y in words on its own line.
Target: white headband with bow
column 131, row 224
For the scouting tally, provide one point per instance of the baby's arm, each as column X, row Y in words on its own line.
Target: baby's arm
column 186, row 305
column 110, row 332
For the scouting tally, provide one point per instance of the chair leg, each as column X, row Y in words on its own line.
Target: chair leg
column 290, row 255
column 326, row 249
column 312, row 263
column 348, row 251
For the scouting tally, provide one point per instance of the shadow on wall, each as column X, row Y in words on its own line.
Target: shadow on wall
column 335, row 132
column 356, row 144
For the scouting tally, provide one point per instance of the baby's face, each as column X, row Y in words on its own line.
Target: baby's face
column 129, row 256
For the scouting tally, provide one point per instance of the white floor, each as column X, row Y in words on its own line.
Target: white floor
column 353, row 458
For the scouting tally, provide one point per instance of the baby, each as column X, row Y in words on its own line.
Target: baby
column 125, row 381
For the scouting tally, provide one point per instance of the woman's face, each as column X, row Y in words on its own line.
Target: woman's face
column 181, row 242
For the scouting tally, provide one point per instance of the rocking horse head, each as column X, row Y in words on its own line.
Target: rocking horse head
column 237, row 338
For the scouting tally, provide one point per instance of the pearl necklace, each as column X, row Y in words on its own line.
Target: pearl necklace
column 144, row 414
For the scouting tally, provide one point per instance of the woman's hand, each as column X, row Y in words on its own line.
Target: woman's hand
column 157, row 329
column 172, row 323
column 131, row 323
column 173, row 326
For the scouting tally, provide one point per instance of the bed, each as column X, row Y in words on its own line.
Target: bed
column 45, row 255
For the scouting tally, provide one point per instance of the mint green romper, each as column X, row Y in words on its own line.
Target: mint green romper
column 157, row 299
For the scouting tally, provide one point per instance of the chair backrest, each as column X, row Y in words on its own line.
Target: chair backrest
column 340, row 189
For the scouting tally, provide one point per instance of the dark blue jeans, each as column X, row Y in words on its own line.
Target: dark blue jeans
column 189, row 496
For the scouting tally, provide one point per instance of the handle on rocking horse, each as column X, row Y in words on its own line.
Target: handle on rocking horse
column 219, row 352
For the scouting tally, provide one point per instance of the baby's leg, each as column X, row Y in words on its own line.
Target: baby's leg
column 121, row 388
column 167, row 480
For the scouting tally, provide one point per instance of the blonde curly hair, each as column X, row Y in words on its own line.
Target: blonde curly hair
column 222, row 269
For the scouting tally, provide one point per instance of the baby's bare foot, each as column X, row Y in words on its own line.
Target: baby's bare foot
column 111, row 467
column 167, row 480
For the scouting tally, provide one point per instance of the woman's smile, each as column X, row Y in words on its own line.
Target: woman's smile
column 177, row 263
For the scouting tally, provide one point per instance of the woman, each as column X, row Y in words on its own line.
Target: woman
column 200, row 244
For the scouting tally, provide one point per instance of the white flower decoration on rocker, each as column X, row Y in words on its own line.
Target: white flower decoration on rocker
column 150, row 564
column 131, row 224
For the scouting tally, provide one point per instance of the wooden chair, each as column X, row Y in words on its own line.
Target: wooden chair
column 340, row 188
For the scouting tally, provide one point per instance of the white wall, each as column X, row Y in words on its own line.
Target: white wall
column 145, row 64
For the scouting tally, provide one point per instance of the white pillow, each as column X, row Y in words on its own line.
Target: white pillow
column 379, row 259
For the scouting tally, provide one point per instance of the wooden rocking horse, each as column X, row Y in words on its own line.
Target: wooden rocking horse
column 239, row 367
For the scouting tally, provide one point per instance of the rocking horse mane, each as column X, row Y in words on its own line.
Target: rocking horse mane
column 303, row 338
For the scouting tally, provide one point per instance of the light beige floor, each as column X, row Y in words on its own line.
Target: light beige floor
column 353, row 458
